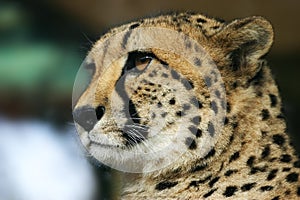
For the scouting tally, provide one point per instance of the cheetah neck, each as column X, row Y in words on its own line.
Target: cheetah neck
column 257, row 158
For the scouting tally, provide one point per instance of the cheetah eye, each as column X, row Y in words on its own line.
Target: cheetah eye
column 142, row 63
column 138, row 61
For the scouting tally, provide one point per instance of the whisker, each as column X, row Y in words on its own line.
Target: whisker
column 144, row 128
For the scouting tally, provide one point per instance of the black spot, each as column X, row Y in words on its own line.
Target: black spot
column 226, row 120
column 281, row 116
column 187, row 84
column 196, row 183
column 213, row 181
column 234, row 125
column 234, row 85
column 207, row 80
column 153, row 115
column 286, row 169
column 265, row 114
column 172, row 101
column 234, row 156
column 196, row 102
column 201, row 20
column 165, row 185
column 248, row 186
column 264, row 133
column 230, row 190
column 297, row 164
column 298, row 191
column 228, row 107
column 254, row 170
column 193, row 129
column 180, row 113
column 223, row 104
column 154, row 98
column 250, row 161
column 230, row 172
column 209, row 193
column 211, row 129
column 273, row 100
column 266, row 152
column 275, row 198
column 196, row 131
column 278, row 139
column 187, row 43
column 197, row 62
column 191, row 143
column 191, row 84
column 174, row 74
column 272, row 174
column 198, row 168
column 159, row 104
column 285, row 158
column 196, row 47
column 165, row 75
column 292, row 177
column 133, row 26
column 259, row 93
column 164, row 114
column 266, row 188
column 214, row 106
column 217, row 93
column 210, row 154
column 196, row 120
column 215, row 27
column 231, row 138
column 186, row 107
column 193, row 184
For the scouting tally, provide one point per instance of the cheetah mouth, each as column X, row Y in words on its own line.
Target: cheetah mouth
column 106, row 146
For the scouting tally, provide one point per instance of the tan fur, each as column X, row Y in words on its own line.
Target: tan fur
column 252, row 157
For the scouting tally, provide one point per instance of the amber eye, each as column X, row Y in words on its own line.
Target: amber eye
column 138, row 61
column 142, row 63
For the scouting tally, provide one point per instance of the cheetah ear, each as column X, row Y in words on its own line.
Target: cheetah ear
column 245, row 41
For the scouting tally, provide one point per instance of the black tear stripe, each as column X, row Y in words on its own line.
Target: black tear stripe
column 133, row 135
column 165, row 185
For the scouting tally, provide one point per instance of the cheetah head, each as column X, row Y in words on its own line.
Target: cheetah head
column 157, row 88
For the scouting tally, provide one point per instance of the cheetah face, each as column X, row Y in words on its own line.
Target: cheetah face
column 148, row 107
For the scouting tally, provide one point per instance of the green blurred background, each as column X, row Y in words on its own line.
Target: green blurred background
column 42, row 44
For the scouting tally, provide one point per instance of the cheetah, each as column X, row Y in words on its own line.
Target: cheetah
column 186, row 106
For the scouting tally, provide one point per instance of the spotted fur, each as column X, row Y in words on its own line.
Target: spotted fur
column 251, row 158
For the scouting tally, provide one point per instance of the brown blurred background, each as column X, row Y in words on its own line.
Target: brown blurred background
column 42, row 44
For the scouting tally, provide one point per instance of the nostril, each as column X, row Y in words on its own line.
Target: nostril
column 100, row 110
column 86, row 117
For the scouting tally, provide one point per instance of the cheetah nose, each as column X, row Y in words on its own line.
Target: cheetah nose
column 88, row 116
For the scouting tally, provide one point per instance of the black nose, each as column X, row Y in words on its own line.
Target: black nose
column 88, row 116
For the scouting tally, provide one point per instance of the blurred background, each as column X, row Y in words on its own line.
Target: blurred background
column 42, row 44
